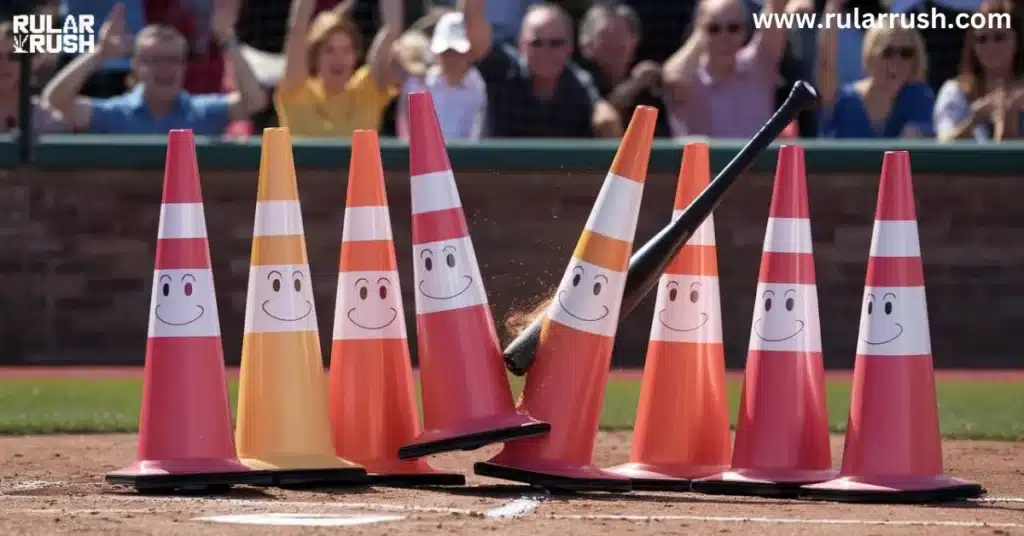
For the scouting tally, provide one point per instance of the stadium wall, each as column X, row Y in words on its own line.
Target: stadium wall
column 78, row 226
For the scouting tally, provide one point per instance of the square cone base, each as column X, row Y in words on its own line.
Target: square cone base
column 200, row 476
column 663, row 477
column 310, row 471
column 779, row 483
column 471, row 435
column 414, row 480
column 556, row 476
column 894, row 490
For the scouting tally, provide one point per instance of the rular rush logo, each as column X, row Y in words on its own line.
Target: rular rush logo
column 45, row 34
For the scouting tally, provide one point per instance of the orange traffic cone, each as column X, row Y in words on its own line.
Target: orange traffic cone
column 782, row 439
column 185, row 427
column 467, row 400
column 682, row 420
column 566, row 384
column 373, row 409
column 893, row 448
column 283, row 422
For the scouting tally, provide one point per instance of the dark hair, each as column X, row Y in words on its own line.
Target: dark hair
column 971, row 73
column 608, row 8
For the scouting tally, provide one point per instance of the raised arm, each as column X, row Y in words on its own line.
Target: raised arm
column 828, row 48
column 384, row 66
column 680, row 68
column 296, row 51
column 61, row 94
column 249, row 97
column 770, row 42
column 478, row 30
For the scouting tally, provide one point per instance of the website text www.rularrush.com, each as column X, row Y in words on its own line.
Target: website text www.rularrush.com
column 855, row 19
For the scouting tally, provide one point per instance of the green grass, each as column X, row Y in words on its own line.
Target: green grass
column 968, row 410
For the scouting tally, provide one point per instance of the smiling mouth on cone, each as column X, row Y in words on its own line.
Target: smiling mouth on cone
column 661, row 315
column 469, row 283
column 570, row 313
column 765, row 339
column 156, row 312
column 309, row 309
column 394, row 315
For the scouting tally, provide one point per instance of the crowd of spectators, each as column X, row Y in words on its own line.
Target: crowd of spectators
column 518, row 68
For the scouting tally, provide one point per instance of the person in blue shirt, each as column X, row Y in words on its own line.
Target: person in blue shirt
column 893, row 100
column 157, row 103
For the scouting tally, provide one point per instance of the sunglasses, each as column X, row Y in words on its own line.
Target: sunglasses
column 716, row 28
column 995, row 37
column 549, row 43
column 903, row 53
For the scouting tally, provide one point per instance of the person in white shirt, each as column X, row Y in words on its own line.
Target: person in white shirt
column 456, row 86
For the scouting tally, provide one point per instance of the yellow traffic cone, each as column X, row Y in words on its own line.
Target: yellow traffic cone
column 283, row 423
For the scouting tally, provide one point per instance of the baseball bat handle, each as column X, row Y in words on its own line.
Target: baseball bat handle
column 649, row 262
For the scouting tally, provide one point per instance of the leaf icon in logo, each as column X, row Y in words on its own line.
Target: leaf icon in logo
column 19, row 44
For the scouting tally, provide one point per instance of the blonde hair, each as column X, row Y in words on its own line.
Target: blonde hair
column 327, row 24
column 874, row 43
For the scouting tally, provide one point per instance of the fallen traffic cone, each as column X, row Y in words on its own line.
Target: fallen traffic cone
column 467, row 400
column 566, row 384
column 782, row 439
column 373, row 409
column 682, row 419
column 185, row 438
column 283, row 423
column 893, row 447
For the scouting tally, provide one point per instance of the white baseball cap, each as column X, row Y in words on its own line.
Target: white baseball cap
column 450, row 34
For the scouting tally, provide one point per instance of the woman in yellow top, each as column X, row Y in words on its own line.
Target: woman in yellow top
column 322, row 93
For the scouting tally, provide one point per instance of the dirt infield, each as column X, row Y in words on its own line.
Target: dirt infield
column 53, row 485
column 136, row 372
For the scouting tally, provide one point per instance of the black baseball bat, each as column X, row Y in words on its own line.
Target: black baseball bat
column 648, row 263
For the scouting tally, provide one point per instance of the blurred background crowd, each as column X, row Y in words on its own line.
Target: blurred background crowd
column 516, row 68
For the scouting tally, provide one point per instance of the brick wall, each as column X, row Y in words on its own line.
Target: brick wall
column 76, row 255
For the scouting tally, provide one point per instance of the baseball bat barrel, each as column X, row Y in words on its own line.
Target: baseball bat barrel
column 650, row 261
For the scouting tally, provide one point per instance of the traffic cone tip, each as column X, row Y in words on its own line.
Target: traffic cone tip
column 277, row 167
column 789, row 193
column 634, row 150
column 280, row 299
column 369, row 306
column 687, row 309
column 786, row 318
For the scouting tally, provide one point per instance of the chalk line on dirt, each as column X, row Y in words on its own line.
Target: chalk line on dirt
column 520, row 507
column 784, row 520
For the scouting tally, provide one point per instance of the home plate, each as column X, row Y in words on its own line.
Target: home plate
column 302, row 520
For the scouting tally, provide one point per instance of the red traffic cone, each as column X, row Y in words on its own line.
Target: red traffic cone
column 185, row 439
column 893, row 447
column 782, row 438
column 373, row 407
column 566, row 384
column 684, row 371
column 467, row 401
